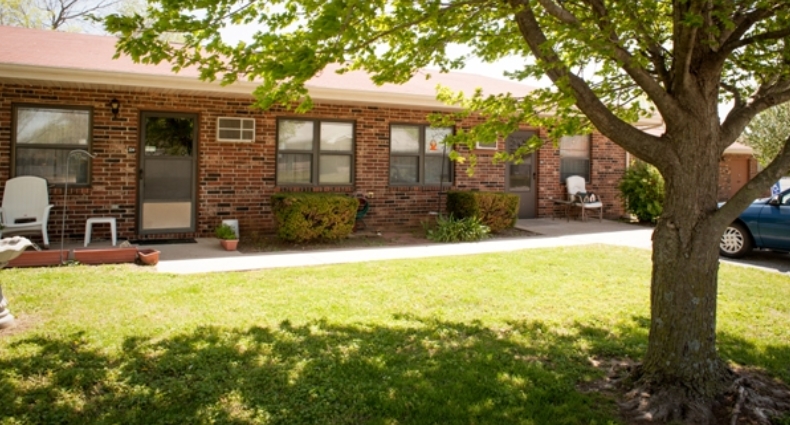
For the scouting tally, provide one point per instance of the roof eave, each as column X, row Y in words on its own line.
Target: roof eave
column 190, row 84
column 241, row 88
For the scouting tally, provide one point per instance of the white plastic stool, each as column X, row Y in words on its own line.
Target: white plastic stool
column 89, row 227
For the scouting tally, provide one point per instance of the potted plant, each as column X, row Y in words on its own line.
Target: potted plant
column 227, row 237
column 149, row 257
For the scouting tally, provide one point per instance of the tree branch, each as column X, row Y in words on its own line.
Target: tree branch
column 685, row 41
column 733, row 39
column 736, row 94
column 766, row 36
column 643, row 145
column 63, row 11
column 745, row 196
column 739, row 117
column 665, row 104
column 559, row 12
column 654, row 50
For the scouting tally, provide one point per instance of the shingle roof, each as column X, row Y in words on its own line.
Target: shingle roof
column 55, row 49
column 72, row 52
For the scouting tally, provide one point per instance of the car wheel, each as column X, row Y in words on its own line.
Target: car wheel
column 735, row 242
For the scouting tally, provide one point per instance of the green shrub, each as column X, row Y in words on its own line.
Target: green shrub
column 642, row 190
column 314, row 216
column 496, row 210
column 451, row 229
column 225, row 232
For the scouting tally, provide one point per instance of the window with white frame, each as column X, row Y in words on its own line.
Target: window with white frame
column 231, row 129
column 418, row 156
column 315, row 152
column 43, row 136
column 575, row 157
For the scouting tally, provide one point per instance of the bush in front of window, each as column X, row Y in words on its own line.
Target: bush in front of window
column 305, row 217
column 451, row 229
column 496, row 210
column 642, row 191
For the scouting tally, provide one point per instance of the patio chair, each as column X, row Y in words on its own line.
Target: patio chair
column 26, row 207
column 579, row 197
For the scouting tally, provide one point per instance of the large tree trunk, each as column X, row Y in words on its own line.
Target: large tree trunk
column 681, row 367
column 682, row 344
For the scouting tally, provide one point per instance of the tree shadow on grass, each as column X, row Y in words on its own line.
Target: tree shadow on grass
column 427, row 371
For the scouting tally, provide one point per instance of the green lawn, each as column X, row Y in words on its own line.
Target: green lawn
column 499, row 339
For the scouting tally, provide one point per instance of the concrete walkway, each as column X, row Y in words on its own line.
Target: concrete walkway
column 207, row 256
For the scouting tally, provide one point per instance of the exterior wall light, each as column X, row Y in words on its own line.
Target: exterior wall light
column 115, row 107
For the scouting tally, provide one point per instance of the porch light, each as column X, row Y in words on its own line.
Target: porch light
column 115, row 107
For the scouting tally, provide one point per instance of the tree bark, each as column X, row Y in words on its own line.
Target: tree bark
column 681, row 357
column 682, row 345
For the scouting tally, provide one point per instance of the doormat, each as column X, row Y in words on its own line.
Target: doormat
column 160, row 241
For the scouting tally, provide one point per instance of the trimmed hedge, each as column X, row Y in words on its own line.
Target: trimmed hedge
column 496, row 210
column 314, row 216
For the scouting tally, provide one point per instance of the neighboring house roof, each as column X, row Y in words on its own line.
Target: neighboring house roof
column 82, row 59
column 738, row 148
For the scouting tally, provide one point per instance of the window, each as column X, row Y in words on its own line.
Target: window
column 417, row 155
column 486, row 145
column 575, row 157
column 312, row 152
column 43, row 136
column 235, row 129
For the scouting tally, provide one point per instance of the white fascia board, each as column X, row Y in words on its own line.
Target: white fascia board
column 125, row 79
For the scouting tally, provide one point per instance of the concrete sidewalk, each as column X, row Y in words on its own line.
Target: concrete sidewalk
column 207, row 256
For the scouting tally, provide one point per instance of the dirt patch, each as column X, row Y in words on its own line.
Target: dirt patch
column 362, row 239
column 752, row 398
column 21, row 325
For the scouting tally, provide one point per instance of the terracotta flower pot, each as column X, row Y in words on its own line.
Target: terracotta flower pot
column 229, row 245
column 39, row 258
column 105, row 255
column 148, row 256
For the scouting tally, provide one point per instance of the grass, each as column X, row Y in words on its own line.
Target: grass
column 502, row 339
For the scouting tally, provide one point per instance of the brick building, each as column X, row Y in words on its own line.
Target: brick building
column 737, row 167
column 175, row 155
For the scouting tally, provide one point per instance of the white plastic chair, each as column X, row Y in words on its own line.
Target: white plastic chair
column 576, row 191
column 25, row 207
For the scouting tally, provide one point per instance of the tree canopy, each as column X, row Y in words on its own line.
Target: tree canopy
column 767, row 133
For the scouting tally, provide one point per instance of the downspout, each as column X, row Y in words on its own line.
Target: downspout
column 441, row 181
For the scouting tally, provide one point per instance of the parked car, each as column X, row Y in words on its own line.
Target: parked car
column 764, row 224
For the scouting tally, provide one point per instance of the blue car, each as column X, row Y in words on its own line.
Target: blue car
column 764, row 224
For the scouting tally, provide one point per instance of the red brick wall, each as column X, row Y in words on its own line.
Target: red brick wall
column 236, row 180
column 607, row 163
column 725, row 175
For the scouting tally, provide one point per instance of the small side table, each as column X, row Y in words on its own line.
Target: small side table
column 565, row 205
column 108, row 220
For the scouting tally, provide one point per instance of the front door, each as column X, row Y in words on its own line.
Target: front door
column 520, row 178
column 167, row 173
column 739, row 174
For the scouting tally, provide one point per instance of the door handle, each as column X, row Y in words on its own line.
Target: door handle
column 140, row 174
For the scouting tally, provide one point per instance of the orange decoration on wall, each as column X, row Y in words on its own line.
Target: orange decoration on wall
column 433, row 145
